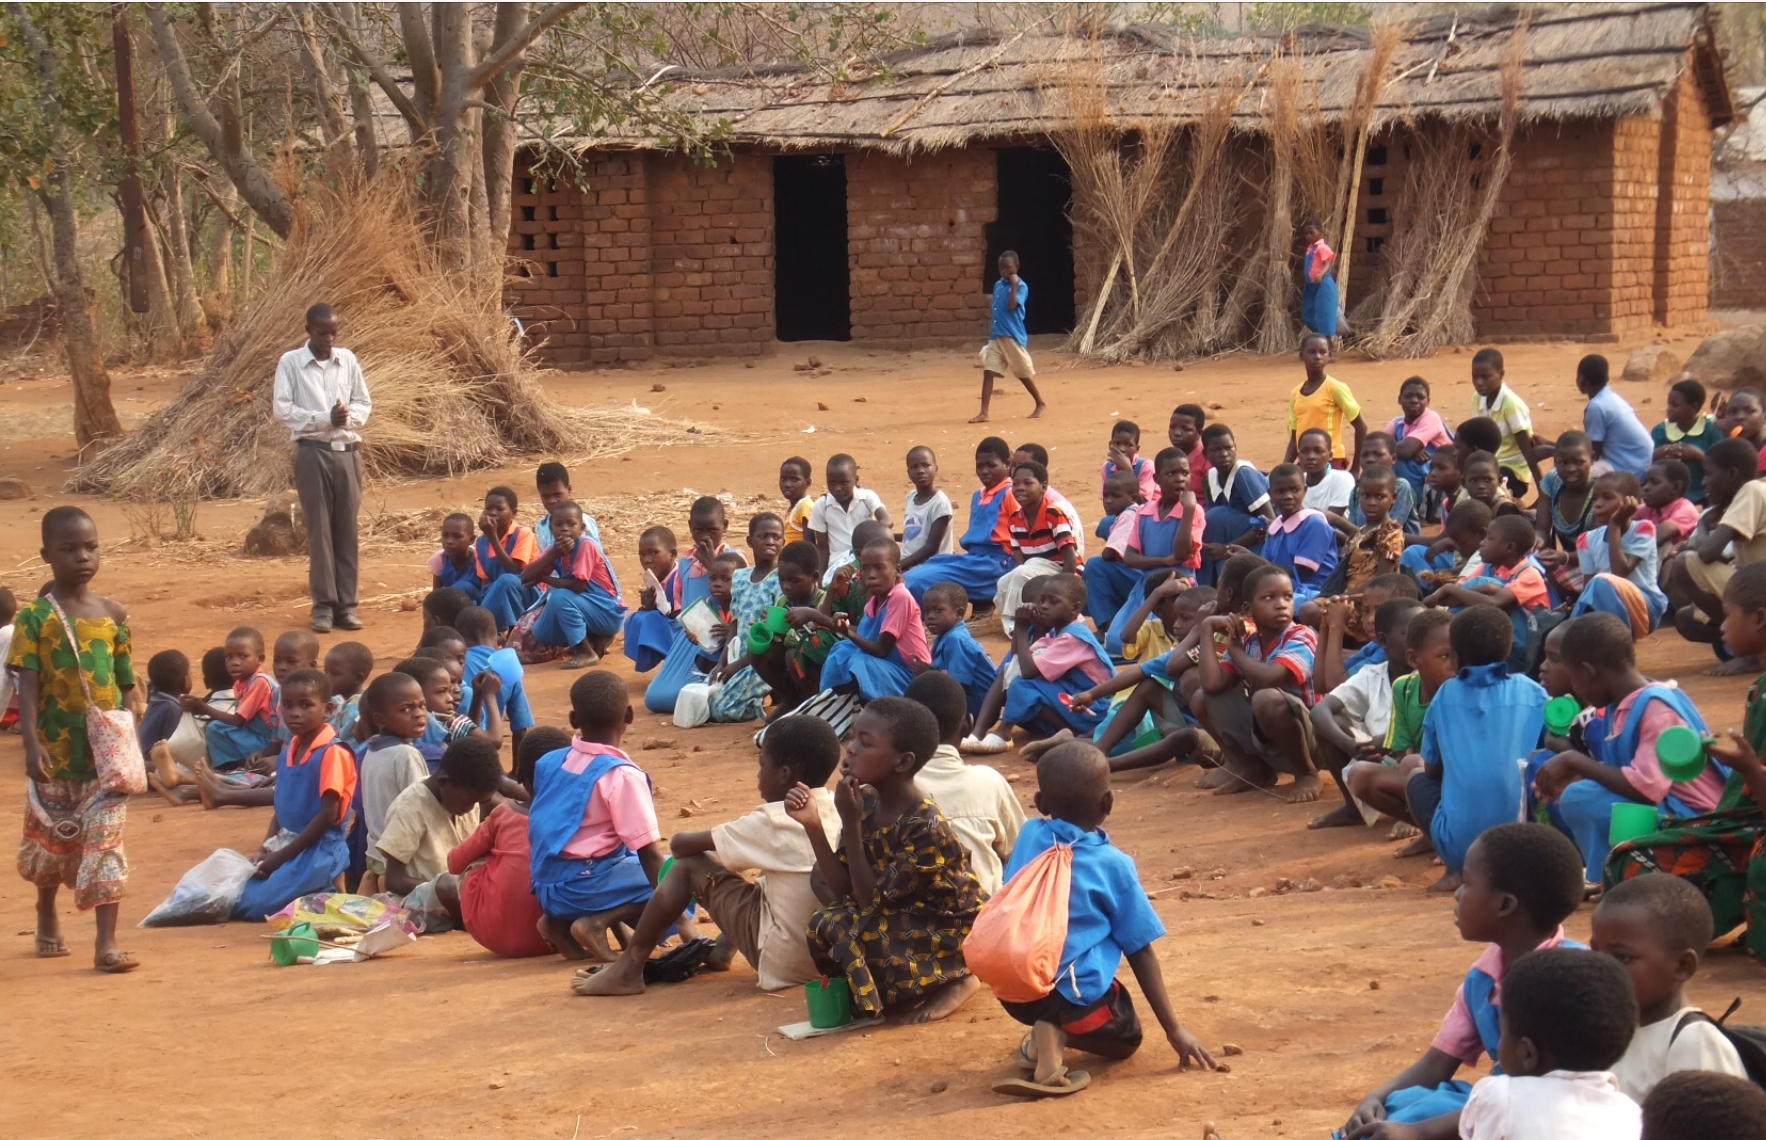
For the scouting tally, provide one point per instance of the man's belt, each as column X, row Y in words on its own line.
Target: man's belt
column 329, row 444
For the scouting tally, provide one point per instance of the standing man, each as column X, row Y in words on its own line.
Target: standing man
column 322, row 399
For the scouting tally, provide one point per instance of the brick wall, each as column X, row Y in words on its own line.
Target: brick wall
column 1738, row 254
column 712, row 253
column 1636, row 183
column 1683, row 266
column 915, row 244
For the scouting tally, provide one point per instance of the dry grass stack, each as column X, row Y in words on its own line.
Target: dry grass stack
column 452, row 389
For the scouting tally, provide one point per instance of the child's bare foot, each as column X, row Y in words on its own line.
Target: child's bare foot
column 980, row 419
column 1421, row 845
column 721, row 956
column 204, row 785
column 1237, row 783
column 1304, row 790
column 623, row 978
column 557, row 936
column 590, row 932
column 1216, row 778
column 164, row 766
column 1346, row 816
column 1735, row 667
column 1040, row 409
column 1035, row 748
column 944, row 1001
column 1403, row 830
column 1446, row 884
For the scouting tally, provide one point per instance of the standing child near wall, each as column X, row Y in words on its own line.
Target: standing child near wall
column 1319, row 302
column 1324, row 402
column 1007, row 351
column 1494, row 399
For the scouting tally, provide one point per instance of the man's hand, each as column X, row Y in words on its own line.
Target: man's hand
column 340, row 415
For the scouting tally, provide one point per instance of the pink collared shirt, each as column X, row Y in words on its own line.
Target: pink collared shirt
column 1458, row 1035
column 620, row 808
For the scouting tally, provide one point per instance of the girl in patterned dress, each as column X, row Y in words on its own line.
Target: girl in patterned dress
column 73, row 833
column 743, row 695
column 899, row 895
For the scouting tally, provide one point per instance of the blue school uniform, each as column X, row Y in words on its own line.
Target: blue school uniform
column 1416, row 559
column 1157, row 538
column 960, row 655
column 986, row 551
column 231, row 745
column 462, row 578
column 1476, row 733
column 875, row 677
column 1318, row 299
column 1232, row 510
column 649, row 633
column 568, row 617
column 1305, row 545
column 504, row 593
column 1373, row 653
column 512, row 699
column 567, row 887
column 299, row 798
column 684, row 662
column 1027, row 698
column 1404, row 508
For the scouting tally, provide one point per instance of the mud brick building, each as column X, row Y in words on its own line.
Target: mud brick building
column 874, row 211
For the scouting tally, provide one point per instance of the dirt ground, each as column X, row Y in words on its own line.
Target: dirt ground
column 1327, row 989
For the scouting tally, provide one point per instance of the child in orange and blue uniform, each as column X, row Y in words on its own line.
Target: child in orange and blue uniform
column 1504, row 574
column 503, row 551
column 582, row 608
column 987, row 543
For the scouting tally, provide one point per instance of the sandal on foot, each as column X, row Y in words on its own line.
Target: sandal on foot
column 992, row 744
column 1027, row 1052
column 582, row 661
column 115, row 962
column 55, row 947
column 1076, row 1079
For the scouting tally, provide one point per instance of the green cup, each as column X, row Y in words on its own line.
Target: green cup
column 291, row 945
column 1631, row 821
column 830, row 1002
column 1560, row 714
column 764, row 632
column 1681, row 752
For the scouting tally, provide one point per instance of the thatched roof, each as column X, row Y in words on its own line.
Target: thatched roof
column 1598, row 61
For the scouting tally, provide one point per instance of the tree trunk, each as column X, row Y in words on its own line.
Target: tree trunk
column 219, row 302
column 361, row 103
column 456, row 133
column 326, row 95
column 160, row 323
column 191, row 326
column 94, row 416
column 503, row 92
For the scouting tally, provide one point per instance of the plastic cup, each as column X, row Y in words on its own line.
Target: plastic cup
column 1681, row 752
column 1631, row 821
column 830, row 1002
column 1560, row 714
column 764, row 632
column 293, row 944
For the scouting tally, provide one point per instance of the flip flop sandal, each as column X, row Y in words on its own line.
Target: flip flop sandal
column 51, row 947
column 582, row 661
column 683, row 962
column 1026, row 1058
column 1077, row 1079
column 116, row 962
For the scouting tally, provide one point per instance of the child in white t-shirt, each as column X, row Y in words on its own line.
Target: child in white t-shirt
column 844, row 507
column 926, row 520
column 1657, row 926
column 1567, row 1017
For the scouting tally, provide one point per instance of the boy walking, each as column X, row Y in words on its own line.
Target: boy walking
column 1007, row 351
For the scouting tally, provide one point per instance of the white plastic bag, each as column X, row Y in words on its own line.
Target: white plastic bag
column 207, row 892
column 693, row 704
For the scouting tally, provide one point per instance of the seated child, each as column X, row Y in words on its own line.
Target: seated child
column 1483, row 482
column 1479, row 727
column 306, row 847
column 1064, row 661
column 1439, row 563
column 794, row 485
column 1162, row 537
column 1695, row 1106
column 168, row 681
column 431, row 818
column 1686, row 434
column 1504, row 575
column 985, row 737
column 1327, row 488
column 1658, row 927
column 1732, row 535
column 754, row 591
column 1351, row 719
column 504, row 549
column 1443, row 487
column 791, row 664
column 1567, row 1016
column 1565, row 509
column 455, row 565
column 650, row 629
column 478, row 629
column 1372, row 549
column 347, row 665
column 1620, row 765
column 1257, row 703
column 1045, row 538
column 1377, row 781
column 592, row 826
column 1301, row 540
column 1617, row 559
column 706, row 521
column 1108, row 919
column 955, row 652
column 443, row 722
column 899, row 895
column 581, row 608
column 1152, row 628
column 442, row 606
column 987, row 541
column 888, row 649
column 1125, row 457
column 1184, row 431
column 1111, row 580
column 975, row 800
column 844, row 506
column 1238, row 507
column 1521, row 882
column 552, row 482
column 763, row 920
column 237, row 734
column 926, row 519
column 495, row 889
column 246, row 784
column 1037, row 453
column 389, row 761
column 1341, row 663
column 1378, row 450
column 1666, row 505
column 1417, row 434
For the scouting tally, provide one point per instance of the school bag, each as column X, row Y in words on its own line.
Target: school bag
column 1749, row 1040
column 1016, row 942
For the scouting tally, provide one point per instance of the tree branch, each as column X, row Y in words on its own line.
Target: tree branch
column 504, row 54
column 382, row 78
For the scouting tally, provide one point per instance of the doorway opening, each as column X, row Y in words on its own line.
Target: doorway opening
column 812, row 299
column 1035, row 191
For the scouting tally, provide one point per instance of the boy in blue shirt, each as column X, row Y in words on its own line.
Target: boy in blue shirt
column 1007, row 351
column 1108, row 917
column 1619, row 436
column 479, row 629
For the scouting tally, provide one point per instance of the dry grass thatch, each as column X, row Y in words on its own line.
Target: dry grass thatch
column 452, row 388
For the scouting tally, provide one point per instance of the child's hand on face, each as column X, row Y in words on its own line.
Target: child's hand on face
column 1024, row 616
column 847, row 802
column 799, row 808
column 1338, row 609
column 1219, row 624
column 1733, row 749
column 1624, row 512
column 841, row 586
column 486, row 526
column 564, row 546
column 1189, row 1050
column 1172, row 586
column 1187, row 500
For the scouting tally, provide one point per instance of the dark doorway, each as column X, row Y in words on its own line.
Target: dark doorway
column 1034, row 192
column 811, row 300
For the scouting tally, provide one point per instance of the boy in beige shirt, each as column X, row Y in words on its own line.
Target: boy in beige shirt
column 430, row 819
column 975, row 799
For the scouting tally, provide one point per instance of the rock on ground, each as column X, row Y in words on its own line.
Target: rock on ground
column 1652, row 364
column 1733, row 358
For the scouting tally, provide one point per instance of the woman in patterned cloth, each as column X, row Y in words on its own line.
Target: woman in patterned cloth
column 73, row 834
column 900, row 897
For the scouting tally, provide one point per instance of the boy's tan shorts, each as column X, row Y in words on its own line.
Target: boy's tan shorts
column 735, row 905
column 1004, row 356
column 1711, row 577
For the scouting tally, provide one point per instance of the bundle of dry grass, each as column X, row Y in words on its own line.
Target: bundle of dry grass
column 452, row 389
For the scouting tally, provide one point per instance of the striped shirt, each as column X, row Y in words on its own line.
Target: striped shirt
column 1511, row 415
column 1293, row 649
column 1050, row 532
